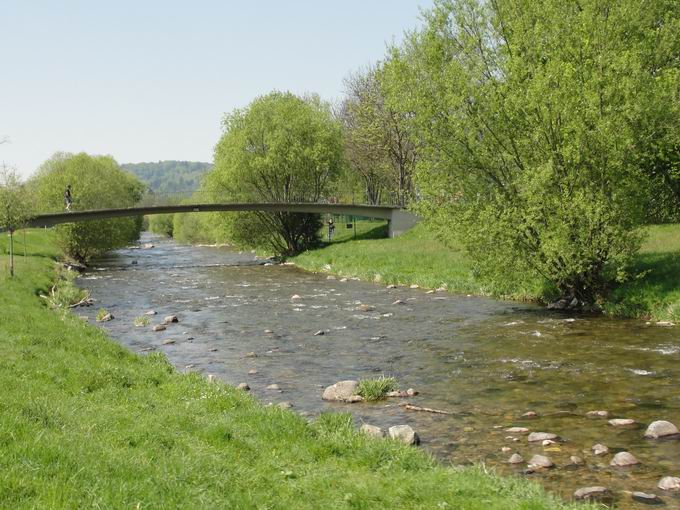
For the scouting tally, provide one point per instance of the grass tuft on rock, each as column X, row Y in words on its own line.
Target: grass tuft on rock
column 377, row 388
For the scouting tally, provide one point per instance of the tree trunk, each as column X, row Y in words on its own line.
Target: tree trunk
column 11, row 253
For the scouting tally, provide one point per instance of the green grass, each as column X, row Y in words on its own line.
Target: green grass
column 415, row 257
column 84, row 423
column 376, row 389
column 655, row 292
column 418, row 258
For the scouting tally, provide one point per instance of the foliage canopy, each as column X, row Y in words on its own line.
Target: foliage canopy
column 534, row 118
column 97, row 182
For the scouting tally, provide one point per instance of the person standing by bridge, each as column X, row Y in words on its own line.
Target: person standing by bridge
column 331, row 229
column 68, row 198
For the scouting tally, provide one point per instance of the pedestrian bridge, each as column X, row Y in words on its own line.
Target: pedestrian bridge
column 398, row 219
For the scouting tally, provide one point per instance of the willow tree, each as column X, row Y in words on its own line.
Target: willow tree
column 281, row 148
column 15, row 207
column 533, row 116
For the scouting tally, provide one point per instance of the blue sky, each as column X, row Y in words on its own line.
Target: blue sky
column 151, row 80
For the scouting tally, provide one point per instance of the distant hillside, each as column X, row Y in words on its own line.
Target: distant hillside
column 169, row 176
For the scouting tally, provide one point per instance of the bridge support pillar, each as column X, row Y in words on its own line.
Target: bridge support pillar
column 401, row 221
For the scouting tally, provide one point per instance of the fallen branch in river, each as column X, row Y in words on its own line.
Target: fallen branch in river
column 411, row 407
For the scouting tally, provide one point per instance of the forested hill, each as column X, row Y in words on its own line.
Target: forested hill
column 169, row 176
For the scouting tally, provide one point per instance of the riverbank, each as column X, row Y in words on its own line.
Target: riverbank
column 418, row 258
column 87, row 423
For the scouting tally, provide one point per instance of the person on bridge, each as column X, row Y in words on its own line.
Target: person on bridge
column 68, row 199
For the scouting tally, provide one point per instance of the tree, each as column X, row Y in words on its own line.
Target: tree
column 15, row 207
column 534, row 117
column 281, row 148
column 97, row 183
column 378, row 143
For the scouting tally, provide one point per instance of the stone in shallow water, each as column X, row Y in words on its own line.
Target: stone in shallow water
column 404, row 433
column 623, row 459
column 599, row 449
column 597, row 414
column 576, row 460
column 530, row 414
column 596, row 492
column 274, row 387
column 168, row 341
column 252, row 371
column 372, row 430
column 150, row 312
column 540, row 461
column 243, row 386
column 285, row 405
column 669, row 483
column 661, row 428
column 159, row 327
column 541, row 436
column 321, row 332
column 516, row 458
column 517, row 430
column 341, row 391
column 643, row 497
column 365, row 308
column 170, row 319
column 621, row 422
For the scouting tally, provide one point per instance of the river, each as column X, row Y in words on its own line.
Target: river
column 485, row 361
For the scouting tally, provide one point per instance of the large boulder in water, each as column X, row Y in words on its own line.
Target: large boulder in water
column 404, row 433
column 660, row 429
column 342, row 391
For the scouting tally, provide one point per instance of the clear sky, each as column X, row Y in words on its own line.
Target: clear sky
column 148, row 80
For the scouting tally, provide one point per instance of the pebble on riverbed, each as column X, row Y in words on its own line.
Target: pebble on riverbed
column 540, row 462
column 516, row 458
column 243, row 386
column 669, row 483
column 530, row 414
column 597, row 414
column 599, row 449
column 596, row 492
column 624, row 459
column 170, row 319
column 576, row 460
column 168, row 341
column 643, row 497
column 274, row 387
column 159, row 327
column 541, row 436
column 517, row 430
column 621, row 422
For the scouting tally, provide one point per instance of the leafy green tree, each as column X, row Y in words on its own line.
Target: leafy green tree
column 378, row 143
column 535, row 116
column 15, row 207
column 97, row 182
column 281, row 148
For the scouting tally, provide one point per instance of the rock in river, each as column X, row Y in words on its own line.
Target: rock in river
column 669, row 483
column 342, row 391
column 170, row 319
column 274, row 387
column 168, row 341
column 591, row 492
column 518, row 430
column 404, row 433
column 159, row 327
column 597, row 414
column 540, row 461
column 372, row 430
column 541, row 436
column 621, row 422
column 623, row 459
column 660, row 429
column 643, row 497
column 243, row 386
column 516, row 458
column 599, row 449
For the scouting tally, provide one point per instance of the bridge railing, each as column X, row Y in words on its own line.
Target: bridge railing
column 150, row 199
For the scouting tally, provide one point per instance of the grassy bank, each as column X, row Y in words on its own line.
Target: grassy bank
column 85, row 423
column 418, row 258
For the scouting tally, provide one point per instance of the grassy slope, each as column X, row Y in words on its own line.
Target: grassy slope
column 415, row 257
column 86, row 423
column 418, row 258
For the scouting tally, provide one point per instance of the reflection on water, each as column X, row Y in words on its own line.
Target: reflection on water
column 487, row 362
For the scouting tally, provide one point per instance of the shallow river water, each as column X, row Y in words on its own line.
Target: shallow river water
column 487, row 362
